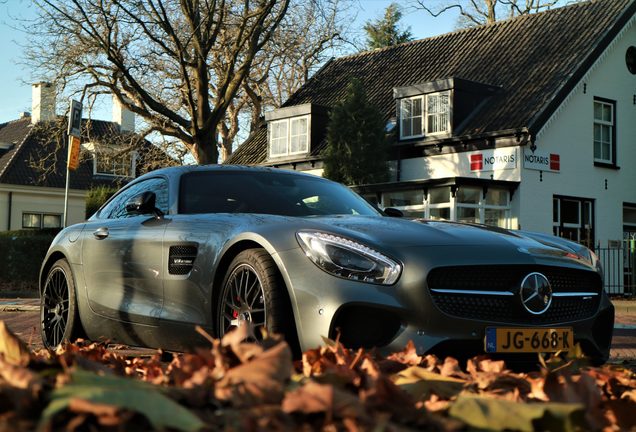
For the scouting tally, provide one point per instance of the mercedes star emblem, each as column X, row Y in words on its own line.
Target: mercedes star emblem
column 536, row 293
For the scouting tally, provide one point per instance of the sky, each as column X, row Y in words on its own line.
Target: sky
column 16, row 79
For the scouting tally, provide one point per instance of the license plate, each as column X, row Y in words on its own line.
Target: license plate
column 528, row 339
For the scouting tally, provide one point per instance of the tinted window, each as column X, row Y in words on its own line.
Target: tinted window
column 267, row 193
column 116, row 207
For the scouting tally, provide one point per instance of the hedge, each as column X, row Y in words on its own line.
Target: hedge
column 21, row 255
column 97, row 196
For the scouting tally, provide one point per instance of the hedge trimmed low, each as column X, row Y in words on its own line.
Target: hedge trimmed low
column 21, row 255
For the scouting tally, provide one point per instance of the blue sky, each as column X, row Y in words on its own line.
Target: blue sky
column 15, row 79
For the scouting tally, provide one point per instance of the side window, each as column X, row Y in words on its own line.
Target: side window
column 116, row 208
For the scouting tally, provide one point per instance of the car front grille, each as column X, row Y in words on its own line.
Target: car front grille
column 491, row 293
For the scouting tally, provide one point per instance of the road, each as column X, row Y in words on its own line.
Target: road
column 24, row 323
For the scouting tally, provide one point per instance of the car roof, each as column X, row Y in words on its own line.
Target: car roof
column 180, row 170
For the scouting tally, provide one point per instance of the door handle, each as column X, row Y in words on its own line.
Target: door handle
column 101, row 233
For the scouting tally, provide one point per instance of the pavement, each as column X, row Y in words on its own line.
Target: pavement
column 22, row 315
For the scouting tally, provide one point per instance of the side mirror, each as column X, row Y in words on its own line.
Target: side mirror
column 393, row 212
column 144, row 203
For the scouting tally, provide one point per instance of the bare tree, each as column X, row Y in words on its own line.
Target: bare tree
column 477, row 12
column 156, row 57
column 103, row 144
column 312, row 31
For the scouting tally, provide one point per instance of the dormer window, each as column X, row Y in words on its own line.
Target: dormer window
column 423, row 115
column 289, row 136
column 112, row 161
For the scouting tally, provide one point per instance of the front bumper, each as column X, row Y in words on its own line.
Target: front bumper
column 388, row 317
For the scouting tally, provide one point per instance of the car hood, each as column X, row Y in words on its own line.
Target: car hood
column 398, row 233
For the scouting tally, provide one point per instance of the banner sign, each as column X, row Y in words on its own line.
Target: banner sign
column 493, row 160
column 541, row 161
column 73, row 153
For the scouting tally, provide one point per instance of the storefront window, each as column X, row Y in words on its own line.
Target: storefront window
column 439, row 195
column 410, row 202
column 497, row 197
column 468, row 195
column 440, row 213
column 404, row 198
column 471, row 204
column 495, row 217
column 468, row 214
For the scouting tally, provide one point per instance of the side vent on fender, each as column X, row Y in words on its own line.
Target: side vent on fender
column 181, row 259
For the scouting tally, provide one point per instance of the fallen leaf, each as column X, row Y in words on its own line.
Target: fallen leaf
column 12, row 348
column 19, row 376
column 315, row 398
column 497, row 414
column 261, row 380
column 421, row 384
column 124, row 393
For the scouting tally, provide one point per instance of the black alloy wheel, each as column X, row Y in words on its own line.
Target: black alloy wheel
column 59, row 321
column 243, row 299
column 253, row 291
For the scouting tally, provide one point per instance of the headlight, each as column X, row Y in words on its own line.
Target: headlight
column 348, row 259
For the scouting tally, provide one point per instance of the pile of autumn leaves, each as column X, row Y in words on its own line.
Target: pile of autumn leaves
column 239, row 386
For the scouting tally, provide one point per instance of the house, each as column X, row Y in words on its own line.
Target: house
column 33, row 163
column 528, row 123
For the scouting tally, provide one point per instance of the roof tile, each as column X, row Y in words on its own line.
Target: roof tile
column 531, row 57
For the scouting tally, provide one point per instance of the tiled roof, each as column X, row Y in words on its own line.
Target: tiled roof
column 32, row 143
column 536, row 60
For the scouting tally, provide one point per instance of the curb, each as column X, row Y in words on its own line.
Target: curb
column 19, row 308
column 624, row 306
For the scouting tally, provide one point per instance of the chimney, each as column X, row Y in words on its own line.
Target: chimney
column 123, row 117
column 42, row 102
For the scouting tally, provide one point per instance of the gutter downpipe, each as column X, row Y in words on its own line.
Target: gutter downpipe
column 9, row 218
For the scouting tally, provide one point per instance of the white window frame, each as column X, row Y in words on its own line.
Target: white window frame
column 482, row 206
column 289, row 136
column 610, row 124
column 105, row 148
column 453, row 205
column 424, row 116
column 41, row 215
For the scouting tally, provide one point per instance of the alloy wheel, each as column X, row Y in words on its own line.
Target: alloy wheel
column 243, row 299
column 55, row 308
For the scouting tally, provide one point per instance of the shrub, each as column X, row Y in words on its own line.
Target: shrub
column 21, row 255
column 97, row 196
column 357, row 147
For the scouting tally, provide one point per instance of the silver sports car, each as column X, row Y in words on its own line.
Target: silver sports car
column 218, row 246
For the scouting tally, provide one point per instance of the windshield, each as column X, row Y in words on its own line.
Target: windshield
column 267, row 192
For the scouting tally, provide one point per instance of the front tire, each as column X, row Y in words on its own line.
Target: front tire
column 254, row 291
column 59, row 316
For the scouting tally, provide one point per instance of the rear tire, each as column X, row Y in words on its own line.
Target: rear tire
column 253, row 290
column 59, row 315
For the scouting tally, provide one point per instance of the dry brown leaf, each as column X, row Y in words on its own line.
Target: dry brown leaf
column 620, row 413
column 19, row 377
column 408, row 356
column 12, row 348
column 630, row 395
column 451, row 368
column 323, row 398
column 261, row 380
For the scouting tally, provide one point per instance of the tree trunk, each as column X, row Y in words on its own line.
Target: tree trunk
column 205, row 149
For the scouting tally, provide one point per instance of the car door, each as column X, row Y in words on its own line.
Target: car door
column 122, row 257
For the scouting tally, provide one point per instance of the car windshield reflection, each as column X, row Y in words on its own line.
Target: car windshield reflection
column 267, row 193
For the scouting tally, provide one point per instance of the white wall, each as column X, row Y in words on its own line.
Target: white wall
column 569, row 133
column 38, row 200
column 458, row 164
